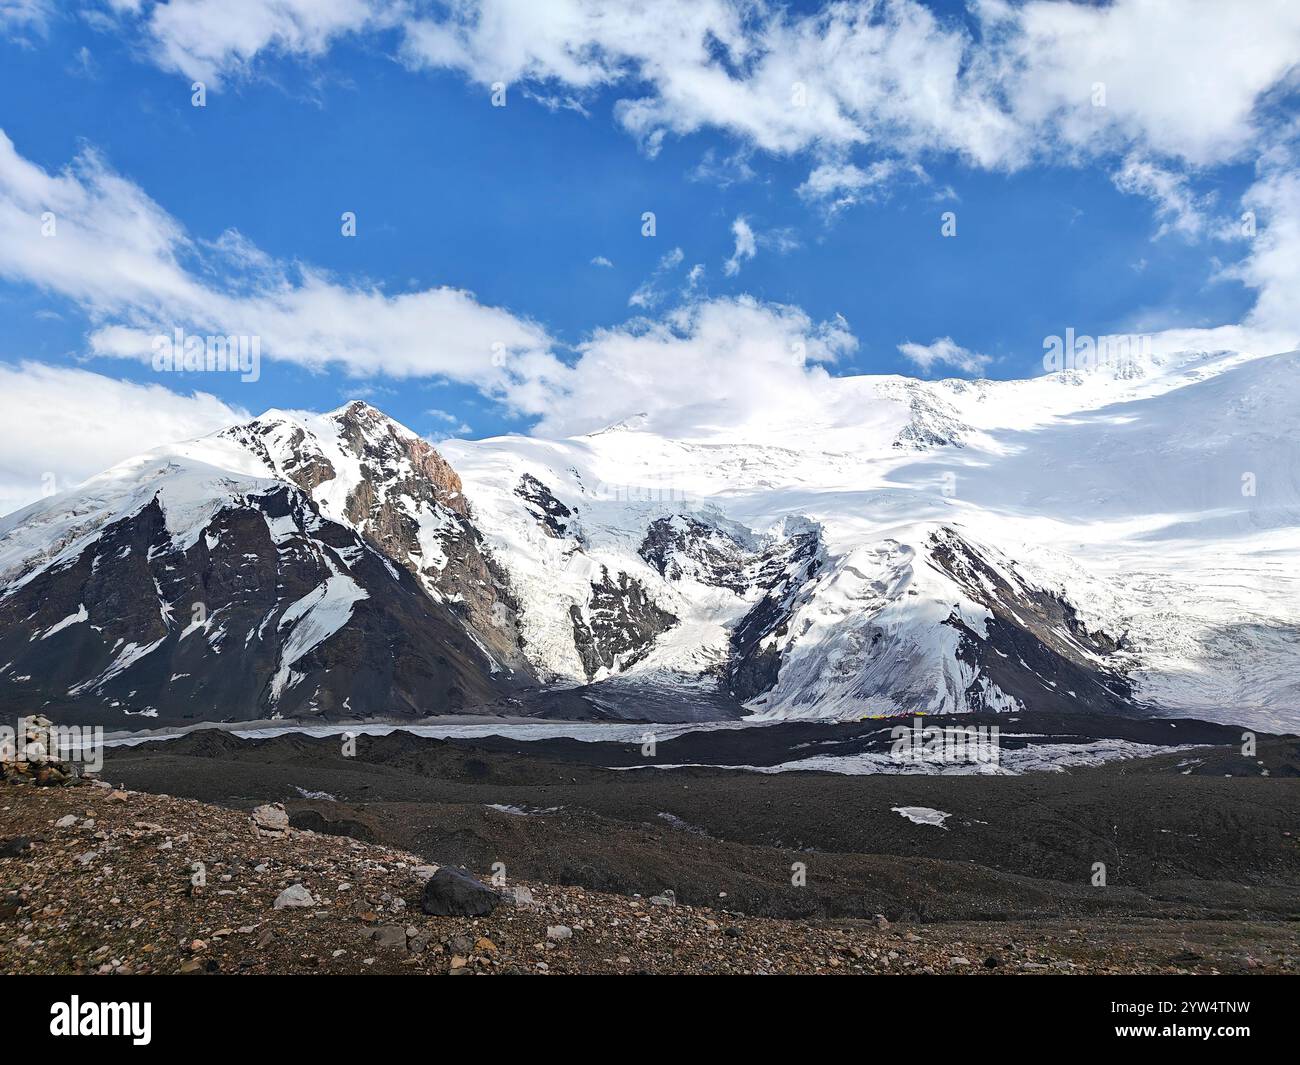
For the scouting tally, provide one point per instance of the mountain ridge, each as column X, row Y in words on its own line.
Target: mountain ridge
column 943, row 546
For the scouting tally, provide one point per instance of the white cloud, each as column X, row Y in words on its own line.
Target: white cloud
column 725, row 172
column 600, row 260
column 1181, row 80
column 837, row 185
column 137, row 273
column 215, row 40
column 944, row 352
column 1001, row 85
column 1272, row 268
column 457, row 426
column 63, row 425
column 650, row 293
column 723, row 363
column 25, row 13
column 746, row 246
column 1178, row 208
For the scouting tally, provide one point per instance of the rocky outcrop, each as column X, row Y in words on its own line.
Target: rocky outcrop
column 1034, row 647
column 454, row 893
column 619, row 625
column 683, row 546
column 407, row 501
column 756, row 640
column 32, row 754
column 553, row 517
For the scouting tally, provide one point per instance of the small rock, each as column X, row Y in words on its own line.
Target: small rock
column 665, row 898
column 293, row 896
column 521, row 896
column 389, row 936
column 66, row 821
column 557, row 933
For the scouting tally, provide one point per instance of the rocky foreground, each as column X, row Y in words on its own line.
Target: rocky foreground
column 100, row 880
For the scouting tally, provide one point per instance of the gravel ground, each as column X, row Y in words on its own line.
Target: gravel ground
column 100, row 881
column 1175, row 846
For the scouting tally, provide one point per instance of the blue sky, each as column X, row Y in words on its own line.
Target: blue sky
column 512, row 204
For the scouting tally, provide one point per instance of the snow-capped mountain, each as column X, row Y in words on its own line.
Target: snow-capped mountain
column 187, row 584
column 1117, row 542
column 367, row 471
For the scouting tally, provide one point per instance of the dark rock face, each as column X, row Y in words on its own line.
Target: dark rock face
column 239, row 625
column 555, row 518
column 782, row 570
column 682, row 546
column 619, row 626
column 454, row 893
column 718, row 555
column 1036, row 649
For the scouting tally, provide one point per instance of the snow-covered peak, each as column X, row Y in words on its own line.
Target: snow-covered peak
column 370, row 472
column 190, row 480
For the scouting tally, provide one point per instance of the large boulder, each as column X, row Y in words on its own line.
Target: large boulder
column 271, row 820
column 454, row 893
